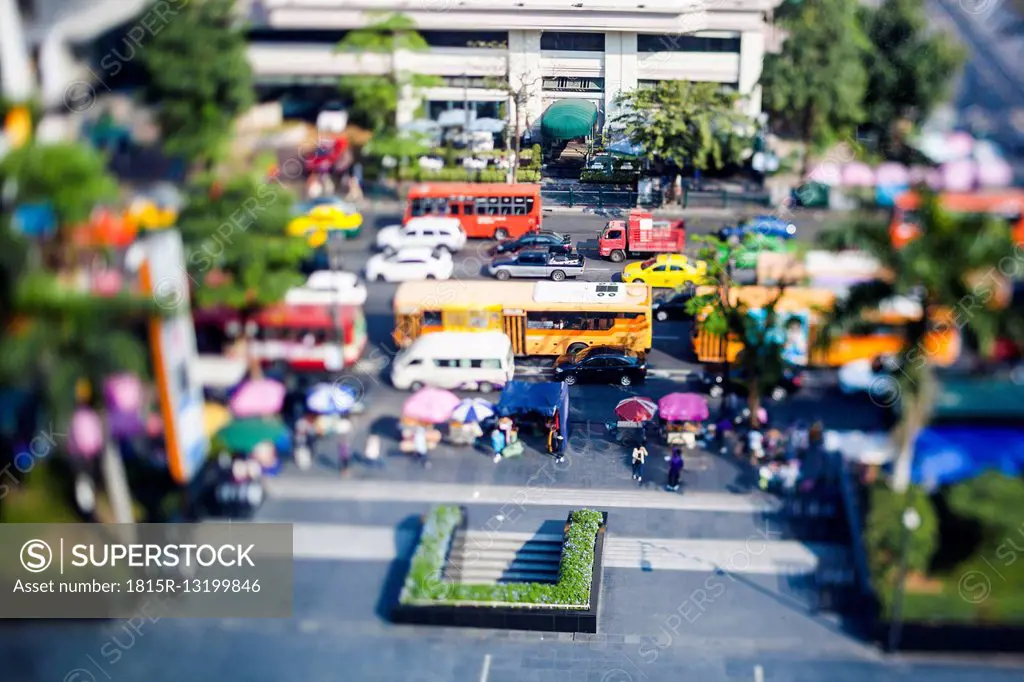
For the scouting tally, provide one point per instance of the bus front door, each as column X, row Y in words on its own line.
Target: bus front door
column 515, row 329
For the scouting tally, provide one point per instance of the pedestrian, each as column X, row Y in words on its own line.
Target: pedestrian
column 305, row 429
column 556, row 444
column 419, row 446
column 755, row 443
column 801, row 439
column 639, row 459
column 371, row 451
column 344, row 445
column 675, row 469
column 497, row 443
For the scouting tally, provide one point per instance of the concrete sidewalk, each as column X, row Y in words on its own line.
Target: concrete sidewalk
column 534, row 493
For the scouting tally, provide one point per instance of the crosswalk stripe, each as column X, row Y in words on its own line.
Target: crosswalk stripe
column 296, row 488
column 755, row 556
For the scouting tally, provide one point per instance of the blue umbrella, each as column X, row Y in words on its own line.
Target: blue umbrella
column 331, row 399
column 472, row 410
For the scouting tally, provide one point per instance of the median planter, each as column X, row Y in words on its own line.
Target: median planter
column 430, row 597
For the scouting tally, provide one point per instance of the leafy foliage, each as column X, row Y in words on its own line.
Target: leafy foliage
column 686, row 123
column 71, row 177
column 373, row 99
column 760, row 362
column 910, row 67
column 986, row 500
column 816, row 84
column 424, row 581
column 199, row 77
column 238, row 252
column 883, row 534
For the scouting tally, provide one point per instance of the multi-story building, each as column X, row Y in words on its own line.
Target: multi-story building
column 545, row 50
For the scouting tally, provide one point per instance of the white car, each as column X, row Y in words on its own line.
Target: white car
column 434, row 233
column 869, row 376
column 326, row 287
column 409, row 264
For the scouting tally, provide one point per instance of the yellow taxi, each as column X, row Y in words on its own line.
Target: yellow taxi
column 321, row 217
column 668, row 270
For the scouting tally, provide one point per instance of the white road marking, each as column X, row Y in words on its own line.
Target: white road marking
column 758, row 674
column 485, row 671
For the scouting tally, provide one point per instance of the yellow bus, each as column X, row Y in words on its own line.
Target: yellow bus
column 540, row 318
column 803, row 310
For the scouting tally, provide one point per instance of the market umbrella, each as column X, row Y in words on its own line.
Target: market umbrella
column 472, row 410
column 892, row 174
column 636, row 409
column 959, row 176
column 487, row 125
column 857, row 174
column 215, row 418
column 258, row 398
column 243, row 435
column 926, row 175
column 331, row 399
column 683, row 407
column 995, row 173
column 430, row 405
column 421, row 125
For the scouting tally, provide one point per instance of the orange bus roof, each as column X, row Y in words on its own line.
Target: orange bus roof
column 969, row 202
column 473, row 189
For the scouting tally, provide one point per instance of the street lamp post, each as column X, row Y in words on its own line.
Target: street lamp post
column 335, row 262
column 911, row 521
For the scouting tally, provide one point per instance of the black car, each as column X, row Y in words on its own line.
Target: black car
column 555, row 241
column 602, row 365
column 673, row 306
column 717, row 383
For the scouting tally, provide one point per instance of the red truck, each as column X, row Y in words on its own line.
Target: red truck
column 641, row 234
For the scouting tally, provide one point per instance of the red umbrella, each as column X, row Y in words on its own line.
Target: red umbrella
column 636, row 409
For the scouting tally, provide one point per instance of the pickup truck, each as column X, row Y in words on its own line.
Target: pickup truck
column 538, row 263
column 640, row 234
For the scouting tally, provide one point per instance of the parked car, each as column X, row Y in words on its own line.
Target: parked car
column 434, row 233
column 716, row 383
column 327, row 287
column 669, row 270
column 866, row 376
column 602, row 365
column 537, row 262
column 543, row 238
column 673, row 306
column 766, row 225
column 413, row 263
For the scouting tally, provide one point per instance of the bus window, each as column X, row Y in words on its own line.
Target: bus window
column 467, row 208
column 487, row 206
column 506, row 205
column 454, row 209
column 519, row 206
column 431, row 318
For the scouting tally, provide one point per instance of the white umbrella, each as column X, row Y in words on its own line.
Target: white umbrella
column 487, row 125
column 421, row 125
column 472, row 410
column 331, row 399
column 455, row 118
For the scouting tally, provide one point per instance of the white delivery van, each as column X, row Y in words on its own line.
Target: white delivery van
column 472, row 361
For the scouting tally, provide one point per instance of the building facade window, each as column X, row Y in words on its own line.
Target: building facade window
column 274, row 35
column 572, row 42
column 572, row 84
column 647, row 43
column 486, row 39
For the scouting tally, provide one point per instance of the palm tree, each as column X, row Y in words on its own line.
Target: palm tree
column 958, row 267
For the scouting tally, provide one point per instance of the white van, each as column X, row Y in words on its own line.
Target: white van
column 473, row 361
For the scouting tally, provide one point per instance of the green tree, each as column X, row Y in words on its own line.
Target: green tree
column 910, row 67
column 373, row 99
column 883, row 535
column 759, row 363
column 685, row 123
column 238, row 253
column 816, row 84
column 985, row 499
column 199, row 78
column 924, row 271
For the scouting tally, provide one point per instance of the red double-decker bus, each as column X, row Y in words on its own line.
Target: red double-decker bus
column 486, row 210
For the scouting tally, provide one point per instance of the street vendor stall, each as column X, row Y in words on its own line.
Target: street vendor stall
column 426, row 407
column 682, row 416
column 538, row 404
column 261, row 438
column 464, row 425
column 633, row 415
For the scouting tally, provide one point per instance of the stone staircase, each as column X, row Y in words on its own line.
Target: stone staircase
column 483, row 557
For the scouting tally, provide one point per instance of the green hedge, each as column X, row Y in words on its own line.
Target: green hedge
column 464, row 175
column 424, row 581
column 615, row 177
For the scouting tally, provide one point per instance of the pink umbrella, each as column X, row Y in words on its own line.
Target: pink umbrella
column 124, row 397
column 959, row 145
column 683, row 407
column 892, row 174
column 85, row 437
column 258, row 398
column 826, row 173
column 636, row 409
column 959, row 176
column 926, row 175
column 995, row 173
column 430, row 405
column 857, row 174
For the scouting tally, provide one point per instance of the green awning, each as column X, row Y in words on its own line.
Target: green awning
column 568, row 118
column 243, row 435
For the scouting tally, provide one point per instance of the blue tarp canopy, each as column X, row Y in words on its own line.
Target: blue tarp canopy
column 949, row 454
column 548, row 398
